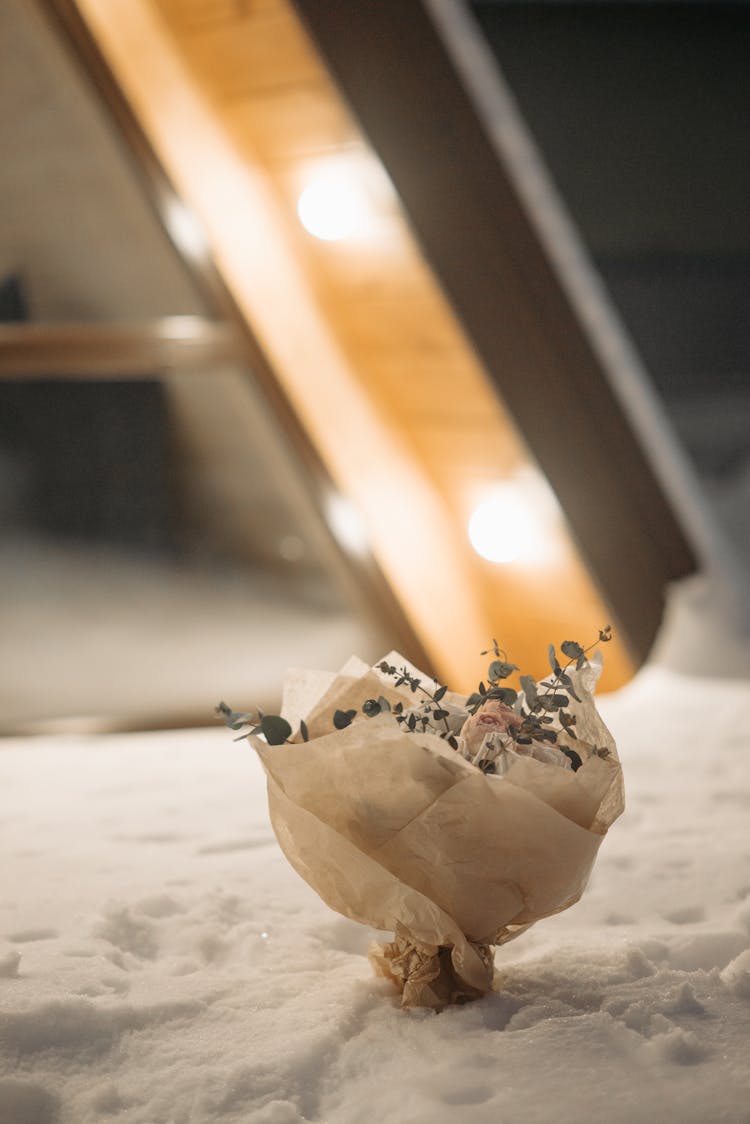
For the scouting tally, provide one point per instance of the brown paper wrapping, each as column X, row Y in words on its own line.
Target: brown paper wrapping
column 399, row 832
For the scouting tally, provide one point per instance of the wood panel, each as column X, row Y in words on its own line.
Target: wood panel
column 118, row 351
column 469, row 219
column 386, row 309
column 261, row 48
column 201, row 15
column 127, row 70
column 427, row 388
column 373, row 314
column 305, row 118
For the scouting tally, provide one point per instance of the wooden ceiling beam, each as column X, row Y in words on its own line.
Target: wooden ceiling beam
column 357, row 571
column 393, row 69
column 364, row 352
column 117, row 351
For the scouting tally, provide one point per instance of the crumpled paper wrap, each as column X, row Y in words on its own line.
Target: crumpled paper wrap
column 397, row 831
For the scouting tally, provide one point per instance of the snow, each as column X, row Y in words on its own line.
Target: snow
column 160, row 962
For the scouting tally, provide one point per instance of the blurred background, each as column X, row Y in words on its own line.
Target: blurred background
column 641, row 112
column 160, row 543
column 154, row 530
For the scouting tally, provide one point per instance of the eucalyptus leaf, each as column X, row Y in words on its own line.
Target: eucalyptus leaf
column 553, row 702
column 505, row 694
column 275, row 729
column 232, row 718
column 499, row 669
column 343, row 718
column 574, row 758
column 528, row 685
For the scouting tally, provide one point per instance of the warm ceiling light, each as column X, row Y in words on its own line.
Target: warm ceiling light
column 506, row 526
column 333, row 206
column 346, row 524
column 185, row 230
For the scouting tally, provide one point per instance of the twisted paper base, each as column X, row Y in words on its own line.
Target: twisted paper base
column 425, row 974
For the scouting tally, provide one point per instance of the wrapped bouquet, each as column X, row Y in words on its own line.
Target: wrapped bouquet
column 455, row 823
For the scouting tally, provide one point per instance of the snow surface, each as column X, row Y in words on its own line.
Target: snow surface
column 160, row 962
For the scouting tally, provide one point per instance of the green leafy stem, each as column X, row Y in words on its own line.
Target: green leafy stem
column 540, row 709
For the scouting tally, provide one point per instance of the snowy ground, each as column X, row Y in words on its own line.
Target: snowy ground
column 160, row 963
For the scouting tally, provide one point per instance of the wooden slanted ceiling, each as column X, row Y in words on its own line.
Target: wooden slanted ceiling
column 239, row 107
column 392, row 66
column 189, row 344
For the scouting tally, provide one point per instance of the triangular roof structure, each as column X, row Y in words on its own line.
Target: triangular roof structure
column 447, row 348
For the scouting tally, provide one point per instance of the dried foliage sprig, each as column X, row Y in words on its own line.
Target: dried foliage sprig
column 541, row 709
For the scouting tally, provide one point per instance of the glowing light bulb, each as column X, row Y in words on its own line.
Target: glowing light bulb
column 333, row 206
column 347, row 525
column 185, row 230
column 506, row 528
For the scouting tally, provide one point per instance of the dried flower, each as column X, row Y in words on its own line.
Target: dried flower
column 394, row 830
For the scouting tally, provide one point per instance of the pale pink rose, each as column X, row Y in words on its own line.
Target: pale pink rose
column 494, row 717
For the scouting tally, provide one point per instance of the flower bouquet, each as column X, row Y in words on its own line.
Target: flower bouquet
column 453, row 822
